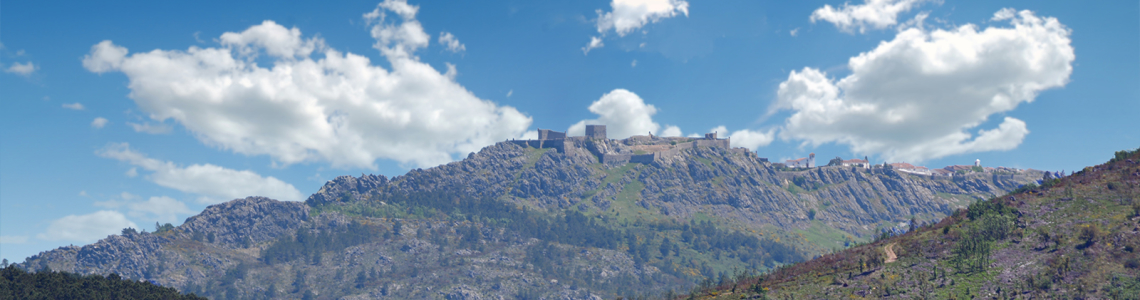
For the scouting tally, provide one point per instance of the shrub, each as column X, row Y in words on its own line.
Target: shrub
column 1089, row 234
column 1132, row 264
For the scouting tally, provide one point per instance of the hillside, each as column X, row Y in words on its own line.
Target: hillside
column 516, row 221
column 15, row 283
column 1070, row 238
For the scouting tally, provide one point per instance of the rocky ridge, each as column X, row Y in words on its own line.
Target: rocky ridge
column 412, row 254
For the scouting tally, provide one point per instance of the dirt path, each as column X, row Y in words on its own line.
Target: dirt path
column 891, row 257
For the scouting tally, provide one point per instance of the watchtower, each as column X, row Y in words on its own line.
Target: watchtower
column 596, row 131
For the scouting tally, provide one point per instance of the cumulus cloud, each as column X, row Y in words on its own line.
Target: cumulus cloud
column 452, row 44
column 74, row 106
column 919, row 96
column 624, row 114
column 99, row 122
column 87, row 228
column 629, row 15
column 744, row 138
column 340, row 108
column 214, row 183
column 876, row 14
column 752, row 139
column 23, row 69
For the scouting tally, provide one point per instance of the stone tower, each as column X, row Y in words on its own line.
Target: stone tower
column 596, row 131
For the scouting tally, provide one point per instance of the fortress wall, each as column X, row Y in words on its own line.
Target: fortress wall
column 559, row 145
column 643, row 158
column 616, row 158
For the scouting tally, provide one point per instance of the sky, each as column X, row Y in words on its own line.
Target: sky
column 121, row 114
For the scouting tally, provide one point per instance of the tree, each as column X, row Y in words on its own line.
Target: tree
column 835, row 162
column 666, row 245
column 361, row 279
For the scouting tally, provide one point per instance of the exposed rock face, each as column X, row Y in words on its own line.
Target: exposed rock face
column 257, row 219
column 720, row 181
column 222, row 246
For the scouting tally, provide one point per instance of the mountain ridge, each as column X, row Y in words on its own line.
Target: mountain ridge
column 525, row 219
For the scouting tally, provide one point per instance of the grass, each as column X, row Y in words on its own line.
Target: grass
column 824, row 236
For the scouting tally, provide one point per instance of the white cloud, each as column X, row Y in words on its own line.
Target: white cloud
column 918, row 96
column 877, row 14
column 83, row 193
column 633, row 64
column 629, row 15
column 104, row 57
column 1004, row 14
column 624, row 114
column 274, row 39
column 214, row 183
column 151, row 128
column 794, row 32
column 132, row 172
column 99, row 122
column 75, row 106
column 164, row 209
column 595, row 42
column 452, row 44
column 23, row 69
column 87, row 228
column 510, row 92
column 752, row 139
column 743, row 138
column 13, row 239
column 340, row 108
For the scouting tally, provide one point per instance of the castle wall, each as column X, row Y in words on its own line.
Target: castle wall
column 547, row 134
column 559, row 145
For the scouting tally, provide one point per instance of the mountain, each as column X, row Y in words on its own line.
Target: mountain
column 574, row 218
column 1075, row 237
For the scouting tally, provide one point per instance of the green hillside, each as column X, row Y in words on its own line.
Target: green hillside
column 1076, row 237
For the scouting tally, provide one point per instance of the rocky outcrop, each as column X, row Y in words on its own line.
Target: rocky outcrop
column 243, row 222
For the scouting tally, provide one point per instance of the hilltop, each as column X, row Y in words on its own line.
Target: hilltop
column 1073, row 237
column 568, row 217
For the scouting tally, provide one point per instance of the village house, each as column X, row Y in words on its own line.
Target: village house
column 864, row 163
column 804, row 162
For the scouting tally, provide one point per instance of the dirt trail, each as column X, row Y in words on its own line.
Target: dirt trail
column 891, row 257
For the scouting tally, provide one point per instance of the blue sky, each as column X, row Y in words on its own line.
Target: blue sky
column 130, row 112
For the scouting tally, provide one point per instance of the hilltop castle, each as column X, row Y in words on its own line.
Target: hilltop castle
column 635, row 149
